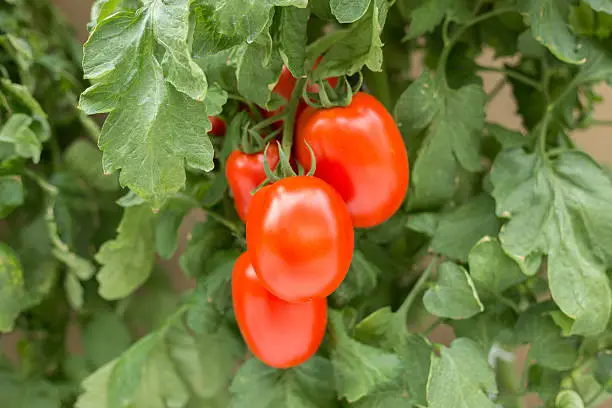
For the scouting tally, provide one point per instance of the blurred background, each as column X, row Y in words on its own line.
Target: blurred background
column 597, row 140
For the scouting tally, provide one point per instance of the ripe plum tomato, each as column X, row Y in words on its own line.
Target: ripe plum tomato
column 300, row 238
column 218, row 126
column 245, row 172
column 279, row 333
column 360, row 152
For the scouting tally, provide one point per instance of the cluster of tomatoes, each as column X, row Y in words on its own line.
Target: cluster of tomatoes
column 299, row 229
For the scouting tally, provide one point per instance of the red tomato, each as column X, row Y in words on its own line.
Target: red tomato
column 360, row 152
column 300, row 238
column 279, row 333
column 245, row 172
column 218, row 126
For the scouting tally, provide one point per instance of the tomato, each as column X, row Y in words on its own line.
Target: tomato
column 360, row 152
column 218, row 126
column 279, row 333
column 245, row 172
column 300, row 238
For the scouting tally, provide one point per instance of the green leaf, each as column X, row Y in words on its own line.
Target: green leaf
column 460, row 376
column 19, row 97
column 491, row 269
column 309, row 385
column 128, row 259
column 168, row 224
column 603, row 370
column 293, row 37
column 555, row 210
column 40, row 267
column 389, row 331
column 150, row 142
column 204, row 240
column 349, row 11
column 16, row 133
column 508, row 139
column 459, row 230
column 360, row 280
column 415, row 353
column 568, row 399
column 206, row 362
column 142, row 376
column 131, row 199
column 429, row 13
column 360, row 46
column 74, row 291
column 359, row 369
column 425, row 223
column 600, row 5
column 216, row 97
column 105, row 337
column 587, row 22
column 213, row 293
column 258, row 71
column 11, row 287
column 85, row 160
column 28, row 393
column 11, row 194
column 548, row 348
column 453, row 295
column 427, row 102
column 548, row 21
column 495, row 325
column 598, row 65
column 254, row 17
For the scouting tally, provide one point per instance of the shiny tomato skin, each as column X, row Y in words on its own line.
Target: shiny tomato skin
column 245, row 172
column 360, row 152
column 279, row 333
column 300, row 238
column 218, row 126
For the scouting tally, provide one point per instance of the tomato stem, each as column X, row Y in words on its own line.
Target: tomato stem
column 290, row 111
column 402, row 312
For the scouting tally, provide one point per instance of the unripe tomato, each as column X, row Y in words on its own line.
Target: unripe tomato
column 279, row 333
column 360, row 152
column 218, row 126
column 245, row 172
column 300, row 238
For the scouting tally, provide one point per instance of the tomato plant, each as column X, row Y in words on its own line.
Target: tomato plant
column 280, row 333
column 300, row 238
column 474, row 275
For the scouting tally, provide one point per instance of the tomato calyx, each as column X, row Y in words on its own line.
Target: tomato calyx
column 285, row 168
column 330, row 95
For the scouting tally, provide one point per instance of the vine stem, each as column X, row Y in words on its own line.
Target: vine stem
column 416, row 289
column 597, row 122
column 290, row 111
column 513, row 74
column 496, row 89
column 453, row 40
column 543, row 134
